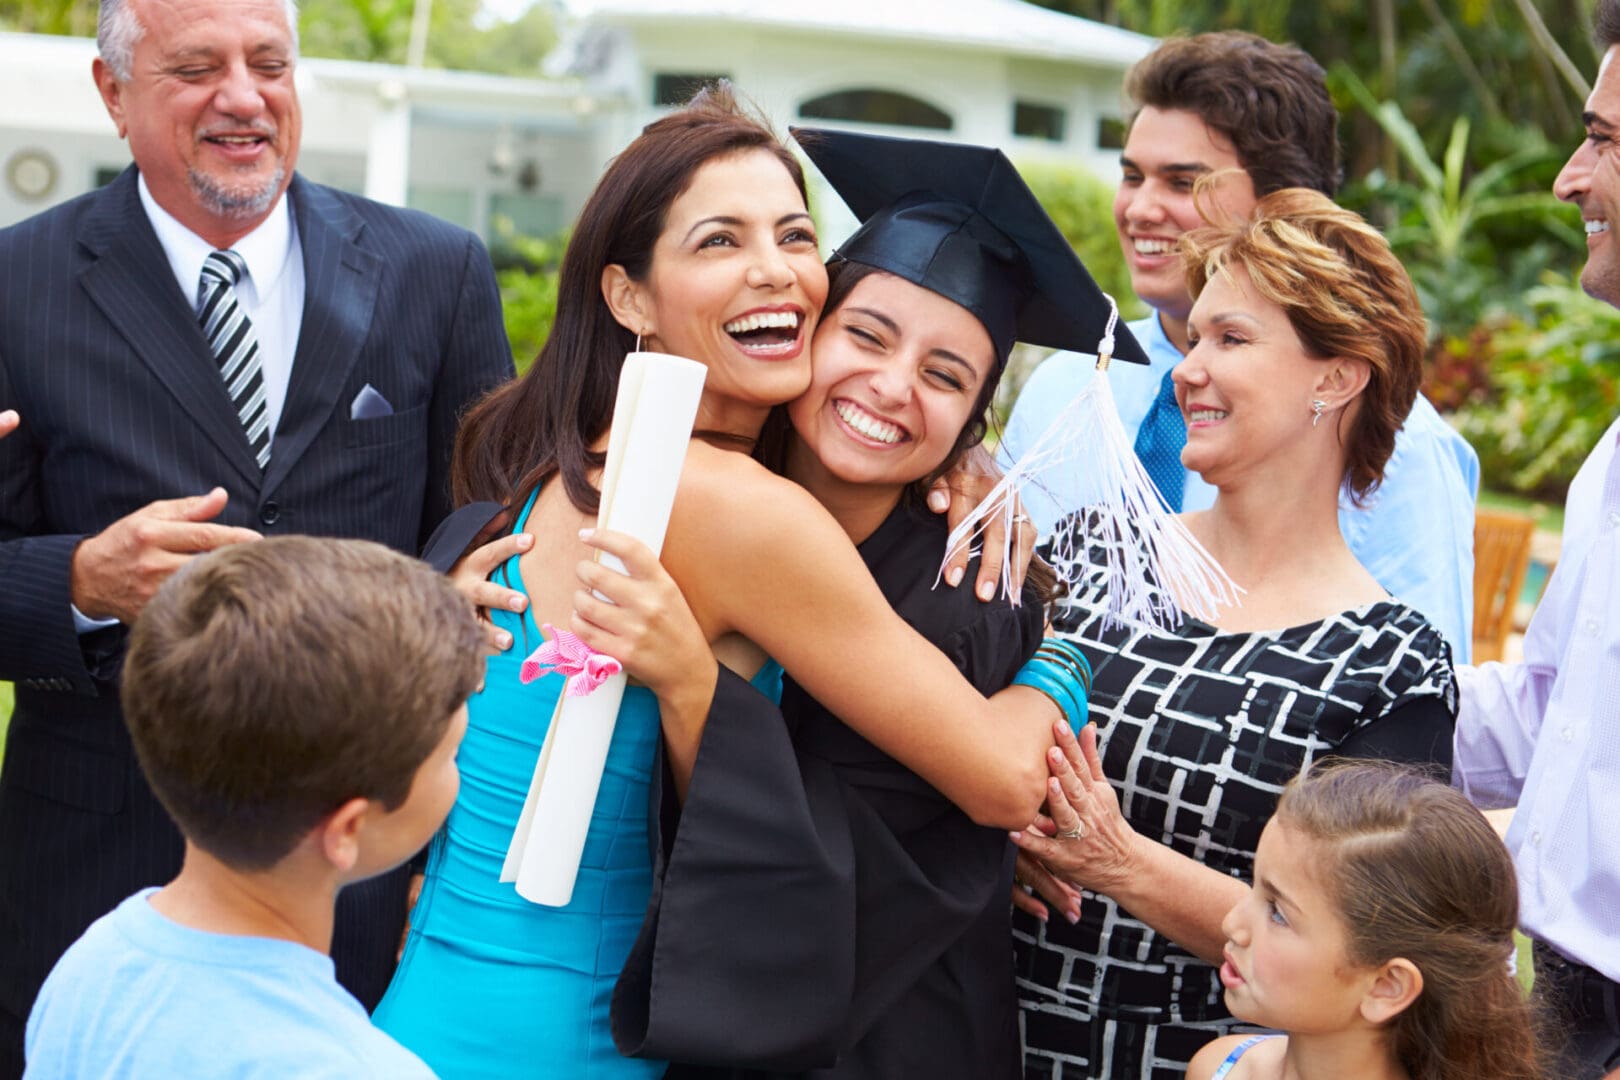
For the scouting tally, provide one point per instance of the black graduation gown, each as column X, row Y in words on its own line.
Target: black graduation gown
column 818, row 909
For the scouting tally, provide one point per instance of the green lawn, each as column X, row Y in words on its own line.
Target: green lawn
column 1549, row 516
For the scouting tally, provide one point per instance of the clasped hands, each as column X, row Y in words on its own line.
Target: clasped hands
column 1082, row 841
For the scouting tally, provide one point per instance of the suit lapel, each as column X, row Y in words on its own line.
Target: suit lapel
column 131, row 281
column 340, row 295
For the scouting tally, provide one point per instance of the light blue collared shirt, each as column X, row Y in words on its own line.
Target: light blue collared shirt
column 1545, row 733
column 1415, row 536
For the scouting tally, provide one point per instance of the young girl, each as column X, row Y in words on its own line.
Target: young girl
column 1377, row 937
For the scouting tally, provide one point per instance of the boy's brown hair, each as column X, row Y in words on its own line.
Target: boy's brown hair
column 1270, row 101
column 269, row 683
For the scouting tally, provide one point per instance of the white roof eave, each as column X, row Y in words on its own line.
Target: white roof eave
column 1006, row 26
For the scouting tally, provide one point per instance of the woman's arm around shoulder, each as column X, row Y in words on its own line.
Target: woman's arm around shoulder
column 757, row 555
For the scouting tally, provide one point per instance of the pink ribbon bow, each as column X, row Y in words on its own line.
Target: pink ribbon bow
column 567, row 655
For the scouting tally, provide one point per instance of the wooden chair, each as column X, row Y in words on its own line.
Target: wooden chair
column 1501, row 558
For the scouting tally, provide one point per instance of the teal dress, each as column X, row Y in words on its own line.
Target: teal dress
column 491, row 985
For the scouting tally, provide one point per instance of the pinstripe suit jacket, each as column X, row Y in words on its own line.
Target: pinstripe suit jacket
column 123, row 404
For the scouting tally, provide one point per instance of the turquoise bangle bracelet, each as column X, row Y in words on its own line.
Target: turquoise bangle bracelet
column 1060, row 671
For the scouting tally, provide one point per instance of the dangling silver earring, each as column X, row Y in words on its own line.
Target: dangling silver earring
column 1317, row 405
column 638, row 341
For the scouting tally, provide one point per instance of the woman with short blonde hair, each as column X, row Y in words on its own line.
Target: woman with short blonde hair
column 1306, row 352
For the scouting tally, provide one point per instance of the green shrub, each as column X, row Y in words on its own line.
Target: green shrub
column 1472, row 239
column 528, row 280
column 1555, row 388
column 1082, row 206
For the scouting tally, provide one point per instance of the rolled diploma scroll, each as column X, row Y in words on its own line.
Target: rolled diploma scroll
column 652, row 425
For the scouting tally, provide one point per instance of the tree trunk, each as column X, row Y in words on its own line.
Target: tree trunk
column 1384, row 17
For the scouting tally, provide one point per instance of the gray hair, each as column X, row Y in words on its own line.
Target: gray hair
column 118, row 29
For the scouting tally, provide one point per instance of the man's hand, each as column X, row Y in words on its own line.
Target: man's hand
column 956, row 494
column 413, row 893
column 470, row 576
column 118, row 570
column 8, row 422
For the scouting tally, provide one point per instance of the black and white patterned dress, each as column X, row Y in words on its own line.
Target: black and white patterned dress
column 1199, row 730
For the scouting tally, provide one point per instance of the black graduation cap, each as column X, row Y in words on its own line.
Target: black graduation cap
column 959, row 221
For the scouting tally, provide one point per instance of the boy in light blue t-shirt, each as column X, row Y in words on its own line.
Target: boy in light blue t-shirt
column 296, row 705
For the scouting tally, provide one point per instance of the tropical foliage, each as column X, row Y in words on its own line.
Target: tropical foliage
column 458, row 35
column 1449, row 223
column 1458, row 114
column 1554, row 389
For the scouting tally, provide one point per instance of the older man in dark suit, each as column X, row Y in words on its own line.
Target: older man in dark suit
column 207, row 350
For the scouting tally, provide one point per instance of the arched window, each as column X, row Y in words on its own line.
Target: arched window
column 870, row 106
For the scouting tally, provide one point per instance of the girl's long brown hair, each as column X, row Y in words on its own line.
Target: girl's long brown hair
column 1417, row 872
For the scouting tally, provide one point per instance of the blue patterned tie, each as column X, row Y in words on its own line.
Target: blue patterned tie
column 1159, row 441
column 230, row 335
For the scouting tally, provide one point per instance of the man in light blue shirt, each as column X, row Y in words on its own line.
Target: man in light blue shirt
column 1415, row 535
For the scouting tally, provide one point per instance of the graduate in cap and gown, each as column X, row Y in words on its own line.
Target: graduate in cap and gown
column 819, row 909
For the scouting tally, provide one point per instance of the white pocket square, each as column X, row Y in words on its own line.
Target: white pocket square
column 368, row 403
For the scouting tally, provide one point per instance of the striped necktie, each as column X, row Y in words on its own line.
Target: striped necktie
column 1159, row 441
column 235, row 346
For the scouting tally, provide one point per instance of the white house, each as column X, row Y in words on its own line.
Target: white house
column 468, row 147
column 490, row 152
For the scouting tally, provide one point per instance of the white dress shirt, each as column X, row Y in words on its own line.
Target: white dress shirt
column 1415, row 535
column 271, row 294
column 1545, row 734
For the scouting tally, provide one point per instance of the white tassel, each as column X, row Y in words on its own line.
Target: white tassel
column 1150, row 556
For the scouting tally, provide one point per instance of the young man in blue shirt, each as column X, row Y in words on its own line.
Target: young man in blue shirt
column 1254, row 117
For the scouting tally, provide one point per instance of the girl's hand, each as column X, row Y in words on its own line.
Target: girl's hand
column 956, row 494
column 641, row 619
column 470, row 576
column 645, row 624
column 1086, row 840
column 1031, row 878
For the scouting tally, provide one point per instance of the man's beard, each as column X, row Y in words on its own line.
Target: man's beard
column 236, row 202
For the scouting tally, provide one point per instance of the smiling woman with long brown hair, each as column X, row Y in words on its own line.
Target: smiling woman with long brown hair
column 696, row 242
